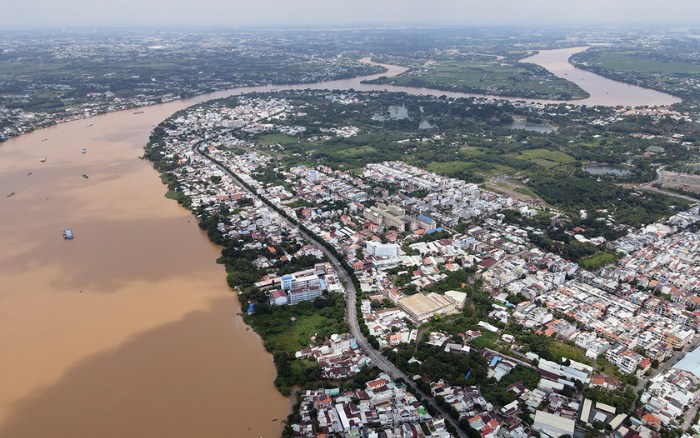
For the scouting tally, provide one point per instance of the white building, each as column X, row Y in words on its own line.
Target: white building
column 292, row 281
column 378, row 249
column 278, row 298
column 553, row 425
column 304, row 294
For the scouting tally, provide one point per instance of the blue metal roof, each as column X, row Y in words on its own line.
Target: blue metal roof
column 426, row 219
column 690, row 363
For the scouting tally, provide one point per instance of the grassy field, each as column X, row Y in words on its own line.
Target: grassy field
column 450, row 168
column 471, row 151
column 543, row 157
column 510, row 188
column 277, row 138
column 493, row 78
column 476, row 167
column 527, row 191
column 297, row 334
column 356, row 152
column 597, row 261
column 632, row 61
column 486, row 340
column 561, row 349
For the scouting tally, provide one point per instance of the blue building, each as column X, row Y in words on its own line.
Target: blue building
column 287, row 281
column 426, row 223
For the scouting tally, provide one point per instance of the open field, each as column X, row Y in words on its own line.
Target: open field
column 277, row 138
column 356, row 152
column 633, row 61
column 681, row 181
column 291, row 335
column 543, row 157
column 451, row 168
column 476, row 167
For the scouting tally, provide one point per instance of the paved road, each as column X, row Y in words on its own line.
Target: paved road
column 351, row 311
column 661, row 177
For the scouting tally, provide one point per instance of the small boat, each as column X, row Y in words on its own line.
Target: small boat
column 68, row 234
column 87, row 126
column 29, row 173
column 10, row 195
column 138, row 112
column 85, row 176
column 83, row 151
column 43, row 160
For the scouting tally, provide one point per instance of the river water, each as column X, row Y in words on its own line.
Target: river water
column 129, row 329
column 602, row 91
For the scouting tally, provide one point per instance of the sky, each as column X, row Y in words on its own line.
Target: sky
column 313, row 13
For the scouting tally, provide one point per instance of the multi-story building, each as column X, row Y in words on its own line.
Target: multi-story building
column 625, row 359
column 425, row 222
column 305, row 280
column 678, row 338
column 378, row 249
column 389, row 216
column 296, row 296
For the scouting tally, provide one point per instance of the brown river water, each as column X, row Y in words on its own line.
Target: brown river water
column 129, row 329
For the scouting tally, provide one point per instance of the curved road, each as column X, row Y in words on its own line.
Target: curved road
column 661, row 177
column 350, row 296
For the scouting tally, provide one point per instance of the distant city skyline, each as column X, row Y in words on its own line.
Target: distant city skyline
column 185, row 13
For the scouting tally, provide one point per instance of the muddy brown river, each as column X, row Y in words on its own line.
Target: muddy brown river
column 129, row 329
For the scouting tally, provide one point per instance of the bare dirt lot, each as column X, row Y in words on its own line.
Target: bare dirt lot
column 682, row 181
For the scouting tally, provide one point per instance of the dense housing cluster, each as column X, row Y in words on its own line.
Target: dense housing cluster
column 447, row 283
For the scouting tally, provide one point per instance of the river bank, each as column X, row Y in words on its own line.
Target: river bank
column 601, row 90
column 131, row 324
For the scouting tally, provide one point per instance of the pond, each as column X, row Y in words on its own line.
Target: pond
column 396, row 112
column 530, row 127
column 599, row 169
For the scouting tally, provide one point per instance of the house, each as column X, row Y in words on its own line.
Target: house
column 278, row 298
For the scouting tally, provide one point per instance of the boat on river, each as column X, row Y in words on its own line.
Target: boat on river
column 68, row 234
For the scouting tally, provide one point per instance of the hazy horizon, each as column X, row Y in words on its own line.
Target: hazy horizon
column 318, row 13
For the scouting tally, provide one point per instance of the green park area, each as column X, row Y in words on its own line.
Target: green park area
column 499, row 78
column 543, row 157
column 634, row 61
